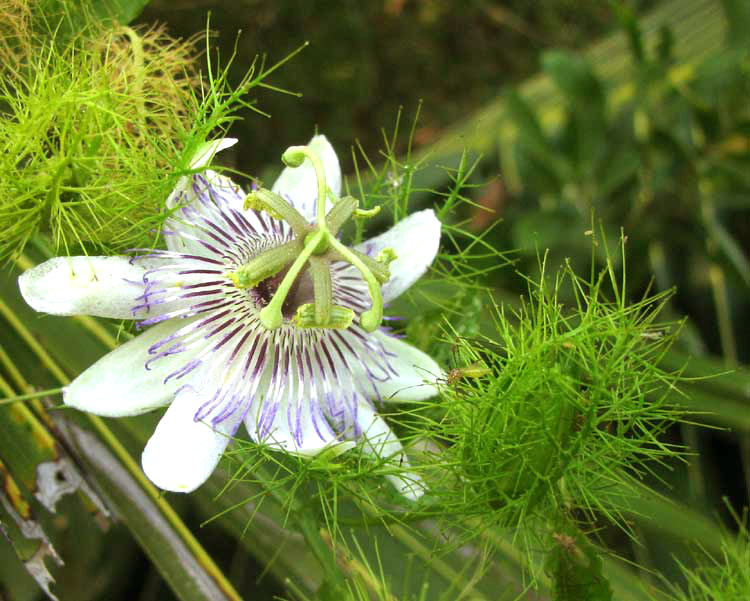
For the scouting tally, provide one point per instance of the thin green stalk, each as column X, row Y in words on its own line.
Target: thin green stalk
column 31, row 395
column 310, row 529
column 720, row 293
column 44, row 357
column 723, row 313
column 10, row 367
column 441, row 567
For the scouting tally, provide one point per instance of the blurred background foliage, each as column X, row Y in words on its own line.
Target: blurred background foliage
column 581, row 120
column 365, row 60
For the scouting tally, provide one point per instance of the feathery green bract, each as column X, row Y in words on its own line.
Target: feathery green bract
column 97, row 126
column 570, row 403
column 91, row 125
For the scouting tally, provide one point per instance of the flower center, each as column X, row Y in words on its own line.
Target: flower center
column 284, row 279
column 300, row 293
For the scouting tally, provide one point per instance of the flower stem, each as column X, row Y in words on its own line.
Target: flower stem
column 30, row 396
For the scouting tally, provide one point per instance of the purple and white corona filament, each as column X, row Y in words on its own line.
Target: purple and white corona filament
column 256, row 314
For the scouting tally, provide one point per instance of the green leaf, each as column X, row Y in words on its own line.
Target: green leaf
column 122, row 11
column 621, row 167
column 629, row 22
column 738, row 21
column 731, row 249
column 585, row 98
column 576, row 569
column 186, row 571
column 576, row 79
column 29, row 442
column 533, row 139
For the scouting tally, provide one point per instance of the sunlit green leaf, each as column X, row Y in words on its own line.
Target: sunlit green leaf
column 122, row 11
column 577, row 570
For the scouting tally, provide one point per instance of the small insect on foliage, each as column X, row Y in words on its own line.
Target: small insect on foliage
column 472, row 371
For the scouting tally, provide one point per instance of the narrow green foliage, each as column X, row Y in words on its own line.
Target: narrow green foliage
column 719, row 578
column 89, row 127
column 569, row 401
column 97, row 127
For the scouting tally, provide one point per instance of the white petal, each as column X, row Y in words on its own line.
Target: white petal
column 415, row 241
column 213, row 198
column 101, row 286
column 206, row 152
column 177, row 195
column 416, row 372
column 183, row 225
column 119, row 383
column 299, row 185
column 379, row 441
column 182, row 453
column 201, row 158
column 280, row 436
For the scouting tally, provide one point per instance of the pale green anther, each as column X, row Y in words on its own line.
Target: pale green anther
column 340, row 318
column 371, row 319
column 266, row 264
column 340, row 213
column 278, row 208
column 270, row 315
column 379, row 270
column 367, row 212
column 255, row 202
column 386, row 256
